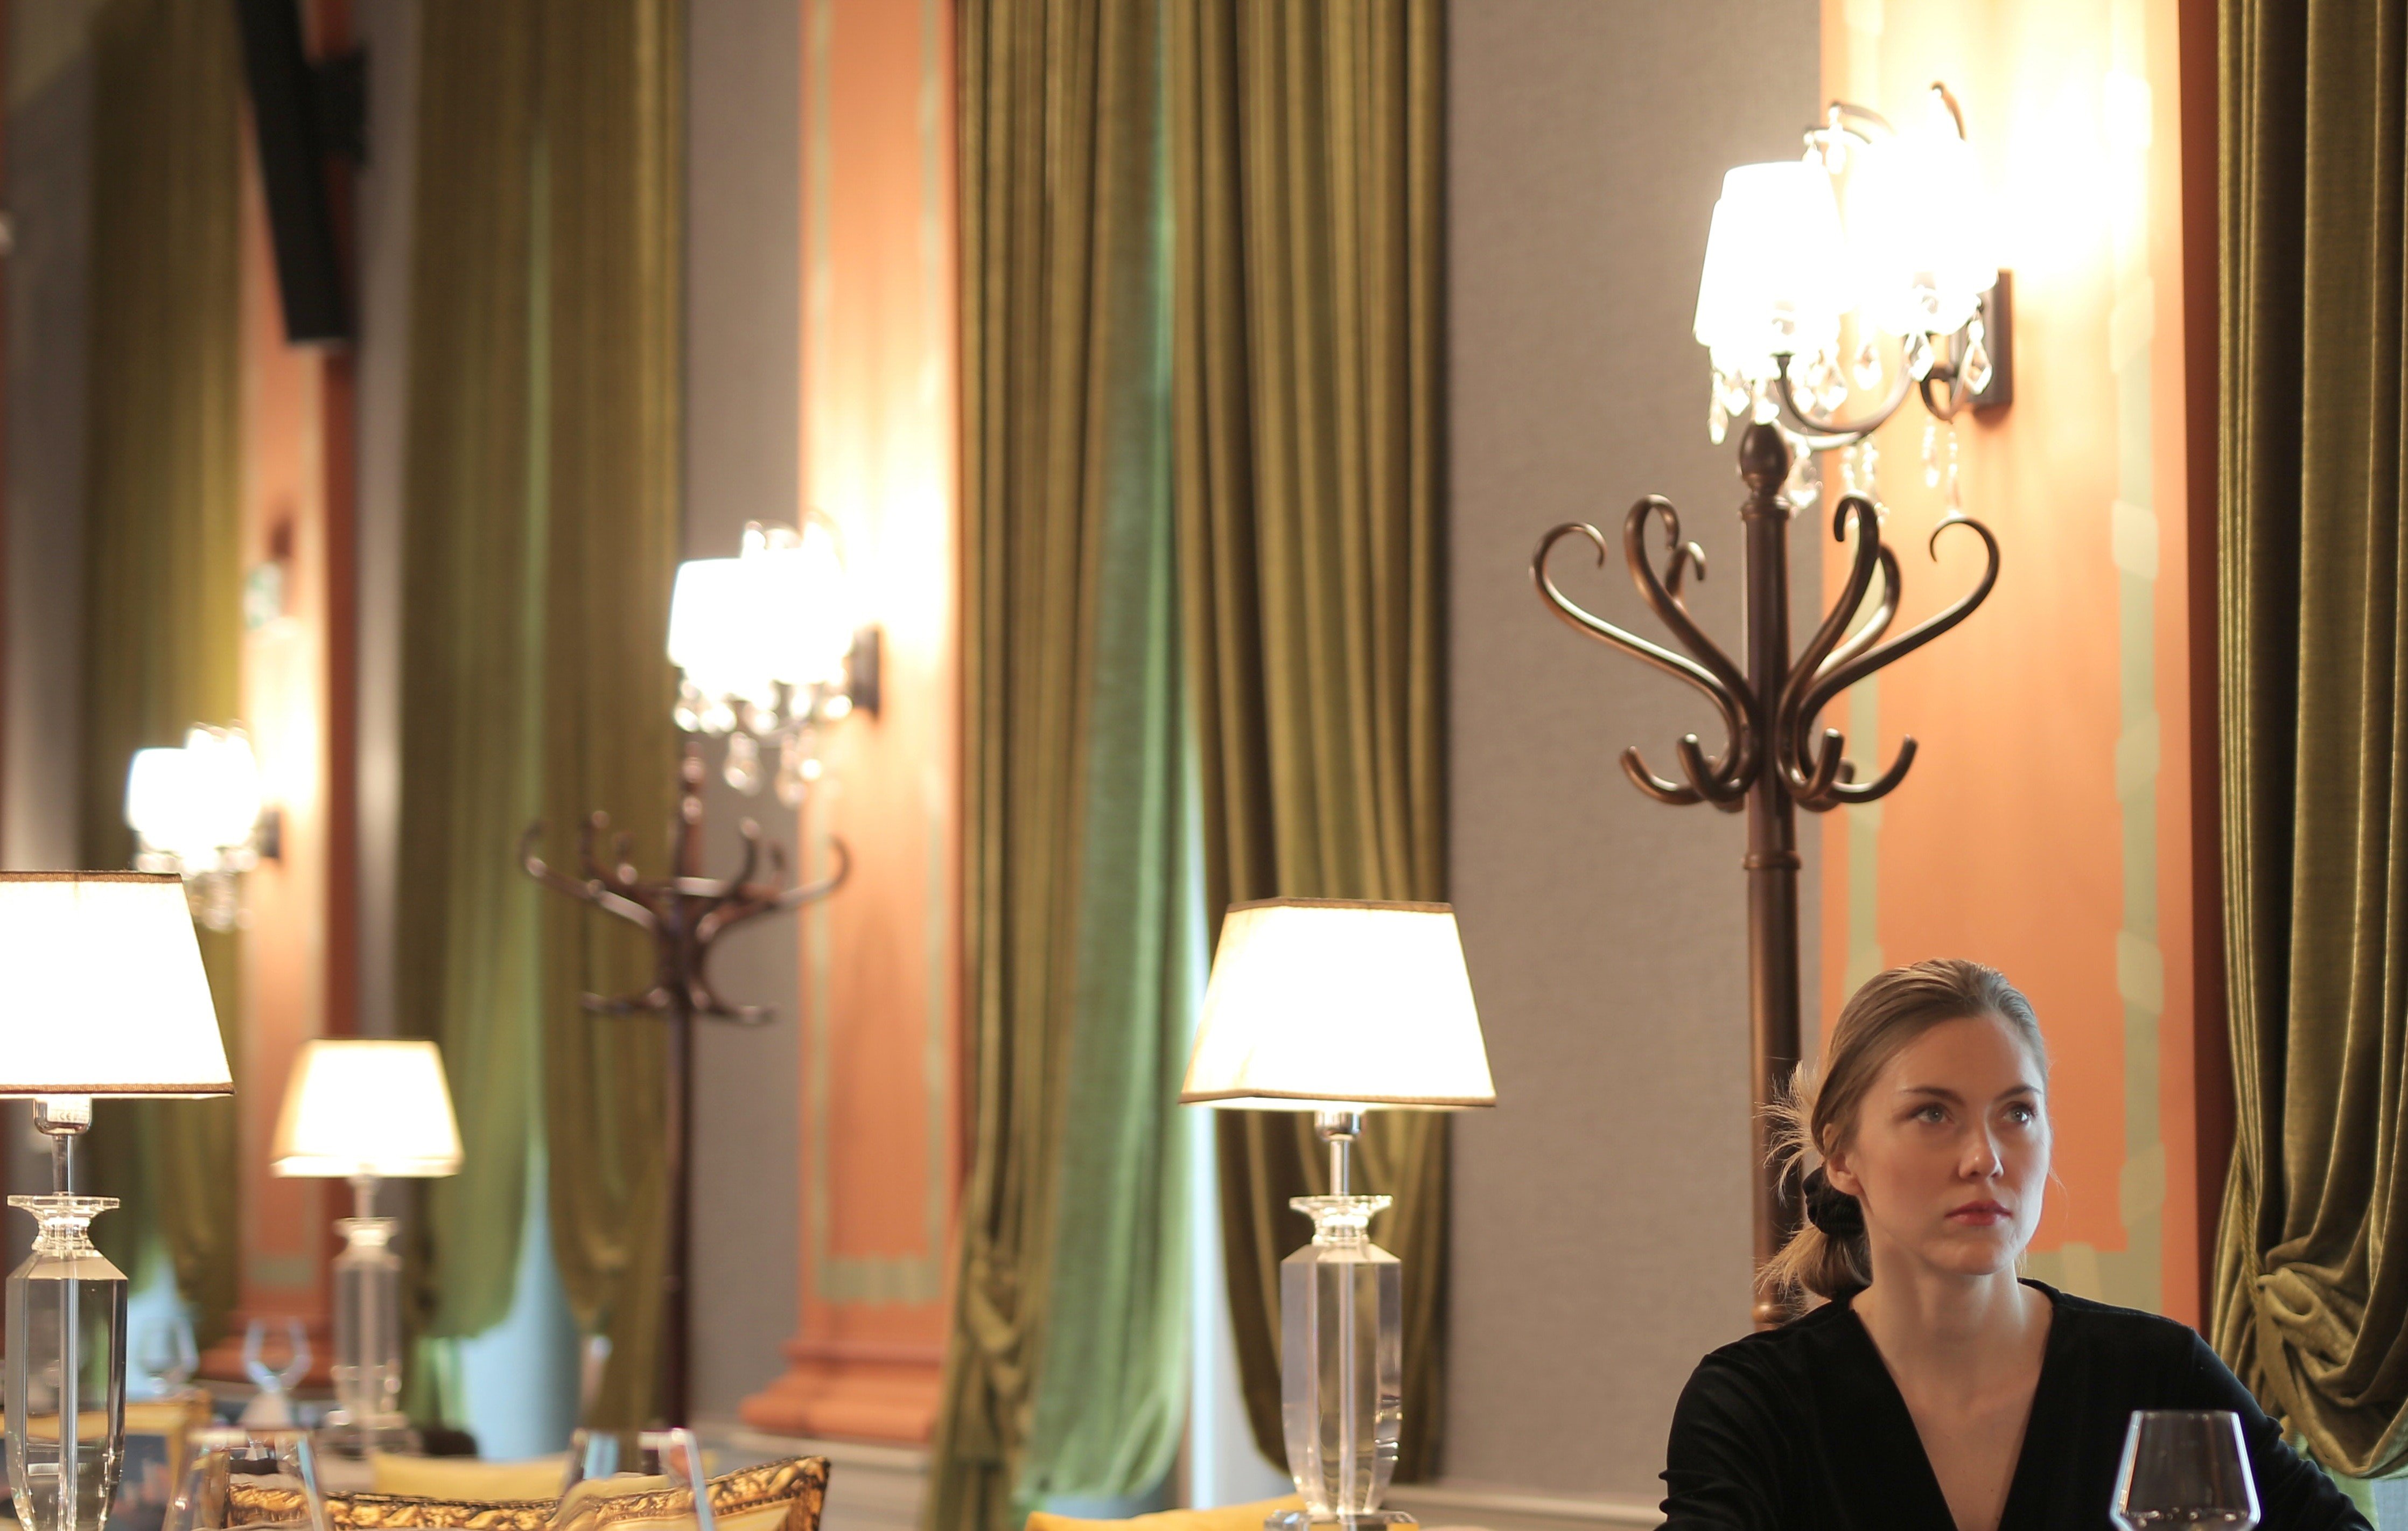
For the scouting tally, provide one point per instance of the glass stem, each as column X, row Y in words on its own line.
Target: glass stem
column 363, row 1197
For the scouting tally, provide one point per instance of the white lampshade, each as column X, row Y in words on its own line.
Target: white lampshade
column 1333, row 1004
column 367, row 1106
column 1776, row 277
column 801, row 599
column 196, row 800
column 1919, row 226
column 710, row 633
column 105, row 994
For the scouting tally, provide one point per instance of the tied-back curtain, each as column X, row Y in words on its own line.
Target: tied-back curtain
column 539, row 546
column 1306, row 356
column 163, row 571
column 1066, row 1363
column 2313, row 1266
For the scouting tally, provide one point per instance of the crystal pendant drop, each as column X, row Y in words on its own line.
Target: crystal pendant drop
column 1918, row 355
column 1766, row 409
column 1930, row 455
column 743, row 767
column 1717, row 419
column 1868, row 367
column 1735, row 394
column 1805, row 485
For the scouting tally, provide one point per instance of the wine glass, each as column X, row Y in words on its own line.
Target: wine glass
column 663, row 1468
column 258, row 1480
column 2185, row 1467
column 167, row 1355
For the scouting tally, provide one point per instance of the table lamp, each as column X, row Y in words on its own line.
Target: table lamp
column 105, row 996
column 1337, row 1007
column 366, row 1110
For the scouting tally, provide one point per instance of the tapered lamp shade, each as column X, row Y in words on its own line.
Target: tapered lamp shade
column 367, row 1107
column 1776, row 277
column 105, row 992
column 1335, row 1005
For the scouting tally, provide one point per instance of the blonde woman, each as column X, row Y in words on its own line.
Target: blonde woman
column 1934, row 1390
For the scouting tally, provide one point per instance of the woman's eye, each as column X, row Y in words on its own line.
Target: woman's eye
column 1932, row 1114
column 2022, row 1115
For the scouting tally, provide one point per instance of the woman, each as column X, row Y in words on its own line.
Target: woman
column 1935, row 1391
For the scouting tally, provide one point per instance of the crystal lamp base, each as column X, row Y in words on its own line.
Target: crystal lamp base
column 1304, row 1520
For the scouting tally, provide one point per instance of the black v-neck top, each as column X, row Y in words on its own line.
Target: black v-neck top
column 1801, row 1428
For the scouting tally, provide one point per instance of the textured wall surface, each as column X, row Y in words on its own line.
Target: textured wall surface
column 1600, row 1212
column 743, row 463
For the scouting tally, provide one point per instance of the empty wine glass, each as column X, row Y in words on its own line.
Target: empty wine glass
column 663, row 1468
column 258, row 1480
column 165, row 1356
column 2185, row 1467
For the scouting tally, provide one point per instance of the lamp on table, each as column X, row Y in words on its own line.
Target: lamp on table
column 1337, row 1007
column 367, row 1110
column 105, row 996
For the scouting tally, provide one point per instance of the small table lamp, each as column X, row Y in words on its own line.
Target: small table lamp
column 1337, row 1007
column 106, row 996
column 366, row 1110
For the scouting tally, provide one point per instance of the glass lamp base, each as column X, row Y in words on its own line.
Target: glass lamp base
column 1304, row 1520
column 343, row 1436
column 65, row 1370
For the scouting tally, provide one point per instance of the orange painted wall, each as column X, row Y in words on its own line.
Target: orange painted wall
column 881, row 981
column 2046, row 825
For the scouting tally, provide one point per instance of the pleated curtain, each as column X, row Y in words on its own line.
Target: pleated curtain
column 1065, row 1361
column 2313, row 1267
column 1306, row 418
column 163, row 550
column 539, row 544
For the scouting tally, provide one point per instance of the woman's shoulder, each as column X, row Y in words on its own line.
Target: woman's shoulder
column 1805, row 1341
column 2126, row 1335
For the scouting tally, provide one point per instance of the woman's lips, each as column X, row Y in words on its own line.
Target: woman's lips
column 1979, row 1214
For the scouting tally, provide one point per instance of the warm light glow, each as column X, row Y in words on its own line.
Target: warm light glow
column 196, row 801
column 778, row 614
column 1776, row 279
column 367, row 1107
column 106, row 995
column 708, row 630
column 1334, row 1004
column 1919, row 226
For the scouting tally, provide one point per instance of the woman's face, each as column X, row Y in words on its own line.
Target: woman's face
column 1950, row 1151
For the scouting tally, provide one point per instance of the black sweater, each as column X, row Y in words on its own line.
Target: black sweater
column 1801, row 1428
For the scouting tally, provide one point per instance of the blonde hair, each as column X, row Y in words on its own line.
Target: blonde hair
column 1818, row 1112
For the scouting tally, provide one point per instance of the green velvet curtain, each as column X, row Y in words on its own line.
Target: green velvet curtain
column 2312, row 1268
column 615, row 135
column 466, row 967
column 542, row 470
column 1065, row 1369
column 163, row 572
column 1307, row 366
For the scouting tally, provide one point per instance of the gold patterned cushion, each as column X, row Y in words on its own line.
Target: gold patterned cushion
column 781, row 1496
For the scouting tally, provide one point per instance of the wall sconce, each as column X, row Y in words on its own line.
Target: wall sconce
column 1914, row 260
column 197, row 812
column 770, row 649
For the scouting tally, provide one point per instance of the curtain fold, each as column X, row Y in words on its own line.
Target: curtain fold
column 540, row 543
column 614, row 135
column 1306, row 396
column 162, row 552
column 465, row 968
column 1064, row 1367
column 2313, row 1266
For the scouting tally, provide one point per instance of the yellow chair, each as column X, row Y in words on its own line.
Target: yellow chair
column 1225, row 1518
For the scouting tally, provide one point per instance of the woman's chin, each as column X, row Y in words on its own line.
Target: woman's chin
column 1976, row 1251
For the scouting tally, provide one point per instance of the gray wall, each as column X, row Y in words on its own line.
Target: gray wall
column 744, row 463
column 1600, row 1212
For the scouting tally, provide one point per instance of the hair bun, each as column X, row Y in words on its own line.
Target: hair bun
column 1838, row 1214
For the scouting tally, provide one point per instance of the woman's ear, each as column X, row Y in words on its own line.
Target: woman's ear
column 1839, row 1171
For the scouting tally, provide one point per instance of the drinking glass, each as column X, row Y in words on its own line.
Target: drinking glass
column 663, row 1468
column 258, row 1480
column 2185, row 1467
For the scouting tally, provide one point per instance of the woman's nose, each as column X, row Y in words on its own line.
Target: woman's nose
column 1982, row 1159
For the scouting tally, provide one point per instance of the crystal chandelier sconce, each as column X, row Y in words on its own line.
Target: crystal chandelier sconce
column 198, row 813
column 1800, row 309
column 771, row 653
